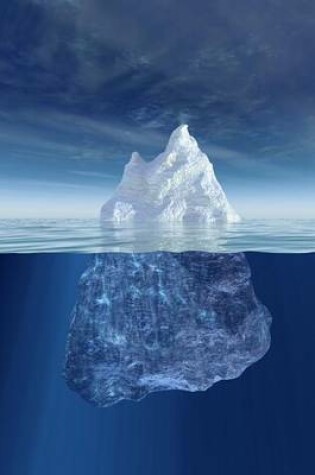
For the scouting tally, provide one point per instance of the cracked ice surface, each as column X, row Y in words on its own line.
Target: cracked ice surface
column 159, row 321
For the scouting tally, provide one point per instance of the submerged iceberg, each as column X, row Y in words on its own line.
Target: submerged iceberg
column 160, row 321
column 179, row 185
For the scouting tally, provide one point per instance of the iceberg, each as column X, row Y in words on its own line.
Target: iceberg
column 147, row 322
column 179, row 185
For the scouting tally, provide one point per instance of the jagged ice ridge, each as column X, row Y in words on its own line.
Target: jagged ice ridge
column 179, row 185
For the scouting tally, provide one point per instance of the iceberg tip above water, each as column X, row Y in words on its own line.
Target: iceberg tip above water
column 179, row 185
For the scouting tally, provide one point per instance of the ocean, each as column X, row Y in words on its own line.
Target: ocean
column 89, row 236
column 261, row 423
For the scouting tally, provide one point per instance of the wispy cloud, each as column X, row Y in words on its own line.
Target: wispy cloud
column 92, row 174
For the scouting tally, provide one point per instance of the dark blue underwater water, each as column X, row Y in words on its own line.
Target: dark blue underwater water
column 262, row 423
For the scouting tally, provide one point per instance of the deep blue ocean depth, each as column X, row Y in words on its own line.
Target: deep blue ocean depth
column 260, row 424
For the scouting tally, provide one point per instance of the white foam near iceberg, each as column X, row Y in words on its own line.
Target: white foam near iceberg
column 179, row 185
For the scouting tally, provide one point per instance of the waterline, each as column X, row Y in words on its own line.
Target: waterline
column 89, row 236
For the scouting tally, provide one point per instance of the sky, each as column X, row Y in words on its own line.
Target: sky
column 84, row 83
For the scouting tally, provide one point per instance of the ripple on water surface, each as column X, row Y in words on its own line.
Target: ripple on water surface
column 89, row 236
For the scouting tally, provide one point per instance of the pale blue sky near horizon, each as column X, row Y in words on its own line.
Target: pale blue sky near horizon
column 84, row 83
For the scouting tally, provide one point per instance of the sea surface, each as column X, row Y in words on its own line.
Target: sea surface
column 89, row 236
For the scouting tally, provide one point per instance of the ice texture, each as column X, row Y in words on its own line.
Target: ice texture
column 179, row 185
column 159, row 321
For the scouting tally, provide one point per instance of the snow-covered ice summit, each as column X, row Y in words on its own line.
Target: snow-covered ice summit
column 179, row 185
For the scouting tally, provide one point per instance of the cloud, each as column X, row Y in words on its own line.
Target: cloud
column 93, row 174
column 224, row 68
column 72, row 137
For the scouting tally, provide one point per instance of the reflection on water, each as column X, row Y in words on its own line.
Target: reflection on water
column 88, row 235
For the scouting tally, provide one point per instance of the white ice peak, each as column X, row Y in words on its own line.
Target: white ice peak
column 178, row 185
column 181, row 139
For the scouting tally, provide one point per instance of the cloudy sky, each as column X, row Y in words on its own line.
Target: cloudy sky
column 83, row 83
